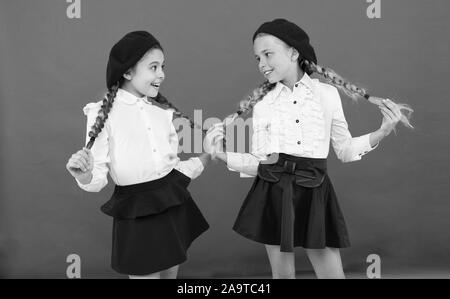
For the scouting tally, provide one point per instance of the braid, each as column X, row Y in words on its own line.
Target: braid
column 250, row 101
column 351, row 90
column 165, row 102
column 102, row 114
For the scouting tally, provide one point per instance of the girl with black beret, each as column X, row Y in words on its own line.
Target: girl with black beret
column 292, row 202
column 130, row 134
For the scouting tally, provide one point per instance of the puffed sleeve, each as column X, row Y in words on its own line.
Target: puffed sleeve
column 100, row 151
column 193, row 167
column 346, row 147
column 247, row 164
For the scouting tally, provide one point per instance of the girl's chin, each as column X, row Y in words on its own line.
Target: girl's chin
column 151, row 93
column 272, row 79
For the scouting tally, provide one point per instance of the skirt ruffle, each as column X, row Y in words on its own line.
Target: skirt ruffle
column 154, row 224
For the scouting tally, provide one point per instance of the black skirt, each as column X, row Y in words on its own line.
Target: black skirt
column 292, row 203
column 154, row 224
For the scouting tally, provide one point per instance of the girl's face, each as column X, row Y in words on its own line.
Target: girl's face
column 147, row 75
column 276, row 60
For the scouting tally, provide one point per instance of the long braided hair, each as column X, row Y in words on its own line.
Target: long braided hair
column 103, row 113
column 177, row 113
column 351, row 90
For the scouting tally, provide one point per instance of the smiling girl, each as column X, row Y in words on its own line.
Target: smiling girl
column 133, row 138
column 292, row 202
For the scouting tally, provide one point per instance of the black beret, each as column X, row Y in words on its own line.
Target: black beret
column 126, row 53
column 292, row 35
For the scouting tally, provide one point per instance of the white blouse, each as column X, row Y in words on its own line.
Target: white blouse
column 301, row 123
column 139, row 143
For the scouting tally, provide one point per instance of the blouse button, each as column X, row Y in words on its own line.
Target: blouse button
column 295, row 102
column 296, row 85
column 297, row 121
column 154, row 150
column 298, row 142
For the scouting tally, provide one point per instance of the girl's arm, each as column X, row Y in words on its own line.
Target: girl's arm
column 346, row 147
column 245, row 163
column 95, row 180
column 350, row 148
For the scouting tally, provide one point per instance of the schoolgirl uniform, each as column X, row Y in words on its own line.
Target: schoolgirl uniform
column 292, row 201
column 155, row 217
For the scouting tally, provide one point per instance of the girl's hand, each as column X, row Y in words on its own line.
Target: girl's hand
column 213, row 141
column 80, row 165
column 391, row 116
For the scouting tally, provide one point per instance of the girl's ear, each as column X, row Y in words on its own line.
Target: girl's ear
column 294, row 54
column 127, row 75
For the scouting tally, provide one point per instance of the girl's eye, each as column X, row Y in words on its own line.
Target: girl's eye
column 163, row 66
column 268, row 54
column 153, row 68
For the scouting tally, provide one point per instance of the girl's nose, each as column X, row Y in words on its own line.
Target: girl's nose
column 261, row 65
column 161, row 75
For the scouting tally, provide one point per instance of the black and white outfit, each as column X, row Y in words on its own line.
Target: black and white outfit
column 292, row 201
column 155, row 218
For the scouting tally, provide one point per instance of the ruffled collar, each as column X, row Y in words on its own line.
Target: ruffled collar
column 305, row 81
column 129, row 98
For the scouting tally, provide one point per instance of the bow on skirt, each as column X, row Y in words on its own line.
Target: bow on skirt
column 287, row 171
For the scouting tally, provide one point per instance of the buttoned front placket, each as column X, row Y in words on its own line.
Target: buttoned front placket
column 143, row 106
column 298, row 100
column 289, row 105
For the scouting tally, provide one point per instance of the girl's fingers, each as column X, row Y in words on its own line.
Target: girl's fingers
column 388, row 112
column 386, row 115
column 214, row 126
column 83, row 154
column 215, row 133
column 393, row 107
column 80, row 162
column 82, row 159
column 375, row 100
column 74, row 165
column 89, row 153
column 90, row 158
column 395, row 113
column 217, row 139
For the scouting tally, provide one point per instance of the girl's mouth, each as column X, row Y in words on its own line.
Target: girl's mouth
column 156, row 85
column 268, row 72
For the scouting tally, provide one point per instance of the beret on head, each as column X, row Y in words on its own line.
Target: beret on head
column 126, row 53
column 292, row 35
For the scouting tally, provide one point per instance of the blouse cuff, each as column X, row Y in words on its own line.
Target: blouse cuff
column 246, row 164
column 364, row 145
column 191, row 168
column 95, row 185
